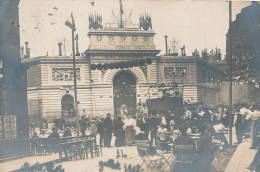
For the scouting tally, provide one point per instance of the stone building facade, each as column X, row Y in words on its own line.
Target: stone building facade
column 50, row 79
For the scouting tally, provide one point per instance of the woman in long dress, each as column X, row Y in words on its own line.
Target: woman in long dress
column 129, row 131
column 119, row 132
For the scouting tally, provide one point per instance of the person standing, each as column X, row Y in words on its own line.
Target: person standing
column 139, row 106
column 108, row 129
column 255, row 125
column 119, row 132
column 153, row 122
column 83, row 125
column 100, row 130
column 239, row 124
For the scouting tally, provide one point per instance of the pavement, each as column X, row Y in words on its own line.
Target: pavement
column 85, row 165
column 242, row 158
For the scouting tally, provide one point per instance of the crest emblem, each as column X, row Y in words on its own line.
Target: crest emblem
column 123, row 38
column 134, row 38
column 111, row 38
column 99, row 38
column 146, row 39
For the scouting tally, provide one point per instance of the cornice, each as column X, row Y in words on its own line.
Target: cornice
column 122, row 52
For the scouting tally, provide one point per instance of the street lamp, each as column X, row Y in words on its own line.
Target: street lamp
column 73, row 29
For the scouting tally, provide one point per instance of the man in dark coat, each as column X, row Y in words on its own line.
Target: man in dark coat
column 100, row 130
column 238, row 122
column 153, row 122
column 108, row 129
column 83, row 125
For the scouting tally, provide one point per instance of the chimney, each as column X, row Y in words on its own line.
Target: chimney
column 22, row 48
column 26, row 50
column 60, row 44
column 183, row 51
column 29, row 49
column 77, row 45
column 166, row 44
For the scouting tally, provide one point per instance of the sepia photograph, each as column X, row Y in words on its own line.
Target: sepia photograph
column 129, row 86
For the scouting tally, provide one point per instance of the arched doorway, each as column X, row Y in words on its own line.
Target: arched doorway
column 124, row 89
column 67, row 105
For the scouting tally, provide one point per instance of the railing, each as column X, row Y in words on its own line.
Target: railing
column 125, row 25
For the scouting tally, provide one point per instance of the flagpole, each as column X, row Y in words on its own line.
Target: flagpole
column 121, row 14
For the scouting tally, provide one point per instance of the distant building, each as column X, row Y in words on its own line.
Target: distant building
column 245, row 43
column 245, row 56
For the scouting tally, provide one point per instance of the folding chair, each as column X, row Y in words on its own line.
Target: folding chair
column 155, row 162
column 185, row 156
column 165, row 153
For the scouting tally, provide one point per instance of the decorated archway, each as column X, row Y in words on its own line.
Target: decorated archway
column 124, row 89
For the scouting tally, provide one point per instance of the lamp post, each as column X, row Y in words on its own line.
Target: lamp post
column 94, row 96
column 182, row 80
column 73, row 29
column 230, row 73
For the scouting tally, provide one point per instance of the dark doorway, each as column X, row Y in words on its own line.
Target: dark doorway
column 124, row 89
column 67, row 104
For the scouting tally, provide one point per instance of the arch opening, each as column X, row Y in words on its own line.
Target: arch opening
column 124, row 92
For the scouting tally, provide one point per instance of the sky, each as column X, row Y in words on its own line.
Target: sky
column 195, row 24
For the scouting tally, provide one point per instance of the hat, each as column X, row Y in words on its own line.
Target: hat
column 108, row 114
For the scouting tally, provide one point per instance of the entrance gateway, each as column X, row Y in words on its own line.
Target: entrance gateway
column 124, row 91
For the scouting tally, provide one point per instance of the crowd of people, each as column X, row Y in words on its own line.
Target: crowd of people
column 208, row 122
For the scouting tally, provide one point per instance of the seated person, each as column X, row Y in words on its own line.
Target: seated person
column 162, row 133
column 54, row 134
column 204, row 150
column 140, row 135
column 163, row 136
column 183, row 155
column 184, row 138
column 67, row 132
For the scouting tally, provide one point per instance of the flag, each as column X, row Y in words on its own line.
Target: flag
column 71, row 24
column 121, row 7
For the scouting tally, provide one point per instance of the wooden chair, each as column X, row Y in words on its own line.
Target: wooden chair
column 185, row 156
column 94, row 148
